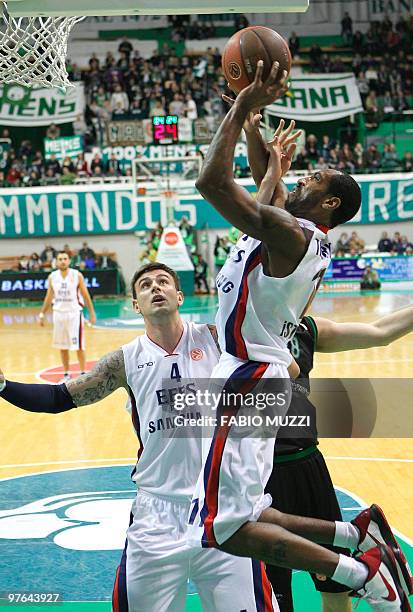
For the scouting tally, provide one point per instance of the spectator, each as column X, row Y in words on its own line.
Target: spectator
column 372, row 110
column 68, row 163
column 34, row 262
column 221, row 251
column 398, row 246
column 347, row 29
column 24, row 264
column 67, row 177
column 53, row 131
column 105, row 261
column 315, row 55
column 201, row 271
column 80, row 164
column 356, row 243
column 113, row 166
column 294, row 44
column 358, row 154
column 86, row 252
column 177, row 106
column 372, row 159
column 363, row 86
column 311, row 148
column 390, row 161
column 385, row 244
column 119, row 99
column 33, row 180
column 358, row 42
column 187, row 232
column 190, row 107
column 157, row 108
column 407, row 162
column 370, row 279
column 48, row 256
column 96, row 162
column 342, row 245
column 53, row 165
column 50, row 178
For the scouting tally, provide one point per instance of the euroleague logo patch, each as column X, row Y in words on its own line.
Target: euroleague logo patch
column 234, row 70
column 197, row 354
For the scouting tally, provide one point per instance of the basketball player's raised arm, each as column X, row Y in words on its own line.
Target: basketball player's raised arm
column 334, row 337
column 216, row 181
column 88, row 300
column 107, row 375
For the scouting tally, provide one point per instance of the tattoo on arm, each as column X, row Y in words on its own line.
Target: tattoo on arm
column 108, row 375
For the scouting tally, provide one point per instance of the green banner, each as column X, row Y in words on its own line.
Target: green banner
column 319, row 97
column 69, row 146
column 90, row 209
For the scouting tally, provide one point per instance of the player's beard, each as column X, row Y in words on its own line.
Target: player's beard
column 298, row 206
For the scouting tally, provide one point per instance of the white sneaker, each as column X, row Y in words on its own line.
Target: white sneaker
column 383, row 589
column 65, row 379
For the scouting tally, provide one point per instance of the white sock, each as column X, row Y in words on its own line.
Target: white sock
column 350, row 572
column 346, row 536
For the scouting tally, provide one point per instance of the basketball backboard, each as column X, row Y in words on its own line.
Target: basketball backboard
column 27, row 8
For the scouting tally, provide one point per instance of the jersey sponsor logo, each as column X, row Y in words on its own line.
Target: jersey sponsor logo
column 323, row 249
column 288, row 330
column 197, row 354
column 237, row 255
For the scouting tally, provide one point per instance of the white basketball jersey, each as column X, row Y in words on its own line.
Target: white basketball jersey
column 259, row 314
column 66, row 291
column 168, row 464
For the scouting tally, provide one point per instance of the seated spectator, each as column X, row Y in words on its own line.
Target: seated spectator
column 294, row 44
column 50, row 178
column 80, row 164
column 136, row 111
column 311, row 148
column 96, row 161
column 33, row 179
column 119, row 99
column 105, row 261
column 68, row 163
column 356, row 243
column 201, row 271
column 388, row 103
column 177, row 106
column 372, row 159
column 342, row 245
column 48, row 256
column 67, row 177
column 24, row 264
column 14, row 174
column 157, row 108
column 385, row 244
column 346, row 157
column 86, row 252
column 191, row 110
column 326, row 146
column 321, row 164
column 372, row 110
column 113, row 166
column 37, row 163
column 407, row 162
column 53, row 131
column 52, row 164
column 370, row 279
column 363, row 86
column 398, row 246
column 390, row 161
column 358, row 154
column 35, row 262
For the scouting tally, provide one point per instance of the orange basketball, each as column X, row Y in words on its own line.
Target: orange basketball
column 246, row 47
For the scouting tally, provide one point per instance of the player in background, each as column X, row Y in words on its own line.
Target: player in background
column 65, row 292
column 300, row 482
column 156, row 553
column 264, row 290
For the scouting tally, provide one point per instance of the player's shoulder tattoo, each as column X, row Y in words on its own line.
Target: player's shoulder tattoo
column 214, row 334
column 106, row 376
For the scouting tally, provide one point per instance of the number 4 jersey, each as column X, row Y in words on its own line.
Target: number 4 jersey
column 259, row 314
column 169, row 462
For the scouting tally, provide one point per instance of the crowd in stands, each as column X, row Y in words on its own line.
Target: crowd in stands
column 84, row 258
column 349, row 157
column 354, row 245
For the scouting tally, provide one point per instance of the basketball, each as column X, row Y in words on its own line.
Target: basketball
column 243, row 50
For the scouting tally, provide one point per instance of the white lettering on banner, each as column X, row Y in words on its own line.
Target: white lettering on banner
column 123, row 202
column 41, row 207
column 100, row 212
column 10, row 210
column 404, row 198
column 379, row 197
column 63, row 211
column 186, row 207
column 149, row 222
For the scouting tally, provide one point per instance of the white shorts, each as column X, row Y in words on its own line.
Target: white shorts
column 157, row 563
column 236, row 469
column 68, row 330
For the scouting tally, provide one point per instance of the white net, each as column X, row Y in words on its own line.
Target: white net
column 33, row 50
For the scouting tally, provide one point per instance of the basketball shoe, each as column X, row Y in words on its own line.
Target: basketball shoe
column 374, row 530
column 382, row 589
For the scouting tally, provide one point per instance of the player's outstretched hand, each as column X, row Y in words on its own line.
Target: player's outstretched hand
column 252, row 122
column 286, row 140
column 261, row 93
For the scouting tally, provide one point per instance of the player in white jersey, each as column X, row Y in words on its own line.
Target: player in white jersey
column 67, row 293
column 157, row 562
column 264, row 290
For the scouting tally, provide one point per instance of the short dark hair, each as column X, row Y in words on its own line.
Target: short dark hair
column 343, row 186
column 62, row 252
column 149, row 268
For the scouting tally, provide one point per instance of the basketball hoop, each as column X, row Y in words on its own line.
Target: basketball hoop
column 33, row 50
